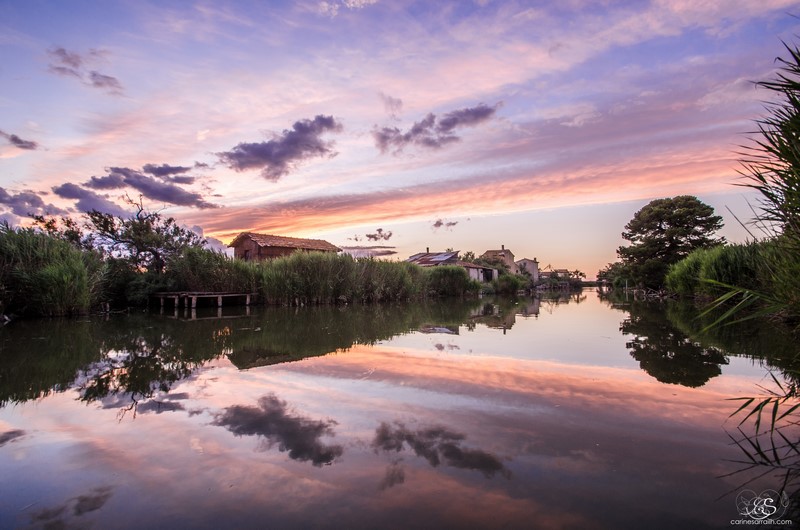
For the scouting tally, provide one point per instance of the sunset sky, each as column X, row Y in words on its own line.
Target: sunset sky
column 541, row 126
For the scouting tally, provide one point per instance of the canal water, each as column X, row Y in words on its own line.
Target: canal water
column 569, row 411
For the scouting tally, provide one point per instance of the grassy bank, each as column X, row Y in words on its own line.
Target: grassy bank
column 43, row 275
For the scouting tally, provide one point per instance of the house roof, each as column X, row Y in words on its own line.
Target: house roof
column 267, row 240
column 429, row 259
column 470, row 265
column 497, row 253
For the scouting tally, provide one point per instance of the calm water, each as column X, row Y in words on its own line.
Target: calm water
column 571, row 413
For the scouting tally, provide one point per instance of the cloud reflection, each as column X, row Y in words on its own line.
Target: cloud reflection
column 10, row 436
column 438, row 445
column 272, row 420
column 56, row 517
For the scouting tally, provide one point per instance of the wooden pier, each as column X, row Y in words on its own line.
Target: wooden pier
column 186, row 298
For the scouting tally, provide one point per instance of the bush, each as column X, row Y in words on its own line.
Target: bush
column 448, row 280
column 509, row 284
column 683, row 278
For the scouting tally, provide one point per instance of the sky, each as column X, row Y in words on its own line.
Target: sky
column 391, row 127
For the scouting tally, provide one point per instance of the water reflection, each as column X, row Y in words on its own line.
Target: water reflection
column 665, row 352
column 126, row 361
column 271, row 420
column 384, row 433
column 60, row 516
column 437, row 445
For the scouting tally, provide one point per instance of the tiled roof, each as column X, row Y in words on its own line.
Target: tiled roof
column 266, row 240
column 428, row 259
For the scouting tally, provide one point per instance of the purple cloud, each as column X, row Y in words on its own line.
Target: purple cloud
column 27, row 203
column 164, row 170
column 87, row 200
column 98, row 80
column 108, row 182
column 431, row 132
column 166, row 189
column 71, row 64
column 277, row 157
column 468, row 117
column 379, row 235
column 16, row 141
column 439, row 223
column 393, row 106
column 169, row 173
column 66, row 58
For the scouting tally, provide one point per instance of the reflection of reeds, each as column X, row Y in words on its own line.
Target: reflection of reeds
column 768, row 436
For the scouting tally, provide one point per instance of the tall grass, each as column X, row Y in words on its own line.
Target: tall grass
column 772, row 167
column 703, row 271
column 325, row 278
column 198, row 269
column 42, row 275
column 313, row 278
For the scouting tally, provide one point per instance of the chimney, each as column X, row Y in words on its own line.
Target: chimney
column 502, row 247
column 427, row 250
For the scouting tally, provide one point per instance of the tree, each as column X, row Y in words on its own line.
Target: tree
column 664, row 232
column 146, row 240
column 614, row 274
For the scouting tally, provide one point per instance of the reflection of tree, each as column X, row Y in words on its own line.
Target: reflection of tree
column 436, row 444
column 666, row 353
column 36, row 359
column 272, row 421
column 142, row 360
column 125, row 361
column 133, row 358
column 760, row 339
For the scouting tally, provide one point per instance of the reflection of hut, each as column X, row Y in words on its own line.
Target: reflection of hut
column 251, row 246
column 491, row 316
column 447, row 330
column 531, row 309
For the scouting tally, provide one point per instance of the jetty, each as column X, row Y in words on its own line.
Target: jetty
column 189, row 298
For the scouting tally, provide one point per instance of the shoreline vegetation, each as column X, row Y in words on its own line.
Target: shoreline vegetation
column 44, row 275
column 59, row 270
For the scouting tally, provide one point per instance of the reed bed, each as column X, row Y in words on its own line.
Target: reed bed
column 315, row 278
column 41, row 275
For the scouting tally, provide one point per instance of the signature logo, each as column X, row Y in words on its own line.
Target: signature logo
column 768, row 504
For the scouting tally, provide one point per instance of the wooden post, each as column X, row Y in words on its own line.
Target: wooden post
column 194, row 302
column 247, row 300
column 219, row 301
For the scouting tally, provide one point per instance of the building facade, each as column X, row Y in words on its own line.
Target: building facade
column 504, row 256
